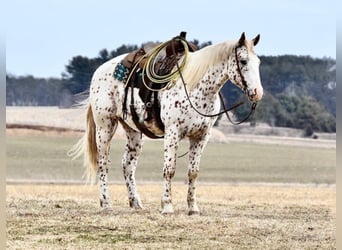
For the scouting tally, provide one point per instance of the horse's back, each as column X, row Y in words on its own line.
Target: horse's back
column 105, row 91
column 106, row 69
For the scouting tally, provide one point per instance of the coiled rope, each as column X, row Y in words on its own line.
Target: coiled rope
column 149, row 67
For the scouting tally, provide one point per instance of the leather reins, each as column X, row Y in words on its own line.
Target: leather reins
column 225, row 110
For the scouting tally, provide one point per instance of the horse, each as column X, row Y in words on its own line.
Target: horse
column 194, row 93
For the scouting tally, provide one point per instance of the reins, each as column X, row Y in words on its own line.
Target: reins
column 225, row 110
column 254, row 104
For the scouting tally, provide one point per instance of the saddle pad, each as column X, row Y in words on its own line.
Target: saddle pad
column 120, row 72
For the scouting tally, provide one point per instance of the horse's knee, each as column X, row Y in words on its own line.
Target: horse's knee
column 193, row 173
column 169, row 172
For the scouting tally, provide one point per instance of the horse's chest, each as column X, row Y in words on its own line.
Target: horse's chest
column 176, row 112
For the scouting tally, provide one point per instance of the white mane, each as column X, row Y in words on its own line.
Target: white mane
column 199, row 62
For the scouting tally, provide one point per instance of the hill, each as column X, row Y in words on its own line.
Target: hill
column 51, row 120
column 300, row 91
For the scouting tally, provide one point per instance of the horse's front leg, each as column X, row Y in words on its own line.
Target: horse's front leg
column 129, row 164
column 195, row 152
column 171, row 140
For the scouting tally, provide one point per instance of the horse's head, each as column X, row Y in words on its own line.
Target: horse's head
column 244, row 68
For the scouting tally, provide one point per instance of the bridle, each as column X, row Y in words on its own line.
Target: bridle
column 243, row 80
column 225, row 110
column 244, row 88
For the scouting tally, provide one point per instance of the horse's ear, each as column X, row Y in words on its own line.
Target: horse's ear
column 242, row 39
column 256, row 39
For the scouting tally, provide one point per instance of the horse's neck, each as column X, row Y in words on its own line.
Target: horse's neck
column 213, row 81
column 207, row 69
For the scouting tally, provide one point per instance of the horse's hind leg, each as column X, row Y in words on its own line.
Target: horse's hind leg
column 104, row 134
column 129, row 164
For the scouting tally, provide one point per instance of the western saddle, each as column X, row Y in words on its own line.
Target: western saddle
column 130, row 71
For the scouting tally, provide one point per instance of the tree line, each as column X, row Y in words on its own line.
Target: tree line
column 300, row 91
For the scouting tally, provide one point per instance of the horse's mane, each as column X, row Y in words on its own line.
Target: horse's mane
column 199, row 62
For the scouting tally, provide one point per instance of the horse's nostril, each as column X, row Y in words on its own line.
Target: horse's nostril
column 252, row 92
column 255, row 94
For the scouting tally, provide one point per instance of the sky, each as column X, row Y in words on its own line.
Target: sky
column 42, row 36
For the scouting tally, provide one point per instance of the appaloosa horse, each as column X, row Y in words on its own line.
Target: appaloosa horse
column 204, row 74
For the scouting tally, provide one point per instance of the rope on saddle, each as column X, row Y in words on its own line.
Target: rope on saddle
column 165, row 80
column 152, row 57
column 168, row 79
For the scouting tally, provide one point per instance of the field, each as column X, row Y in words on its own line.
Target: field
column 232, row 217
column 43, row 157
column 254, row 192
column 251, row 196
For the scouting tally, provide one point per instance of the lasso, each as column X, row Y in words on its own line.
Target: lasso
column 149, row 67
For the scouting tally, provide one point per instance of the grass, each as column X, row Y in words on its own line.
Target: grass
column 232, row 217
column 39, row 157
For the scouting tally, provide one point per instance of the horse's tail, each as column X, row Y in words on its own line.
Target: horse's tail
column 87, row 146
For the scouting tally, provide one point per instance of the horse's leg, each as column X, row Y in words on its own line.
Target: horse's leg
column 171, row 140
column 104, row 134
column 196, row 149
column 129, row 164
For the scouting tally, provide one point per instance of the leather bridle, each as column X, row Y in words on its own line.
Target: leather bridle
column 225, row 110
column 243, row 80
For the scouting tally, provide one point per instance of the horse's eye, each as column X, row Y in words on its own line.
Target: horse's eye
column 243, row 62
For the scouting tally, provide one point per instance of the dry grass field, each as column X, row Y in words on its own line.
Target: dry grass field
column 240, row 215
column 232, row 217
column 254, row 193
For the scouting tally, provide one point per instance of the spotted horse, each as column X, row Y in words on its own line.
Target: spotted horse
column 188, row 105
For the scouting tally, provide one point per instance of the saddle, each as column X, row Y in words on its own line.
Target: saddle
column 132, row 65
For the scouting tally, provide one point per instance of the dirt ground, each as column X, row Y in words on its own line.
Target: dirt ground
column 232, row 217
column 238, row 216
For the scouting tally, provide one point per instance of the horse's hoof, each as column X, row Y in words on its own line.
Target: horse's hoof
column 137, row 207
column 167, row 209
column 167, row 212
column 107, row 210
column 105, row 205
column 193, row 213
column 136, row 204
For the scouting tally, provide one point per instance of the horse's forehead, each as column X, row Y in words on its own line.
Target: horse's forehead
column 250, row 47
column 247, row 50
column 244, row 50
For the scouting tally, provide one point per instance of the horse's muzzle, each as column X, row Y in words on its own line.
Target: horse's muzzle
column 255, row 95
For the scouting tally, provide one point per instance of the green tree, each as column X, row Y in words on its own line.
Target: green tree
column 80, row 69
column 31, row 91
column 79, row 73
column 306, row 111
